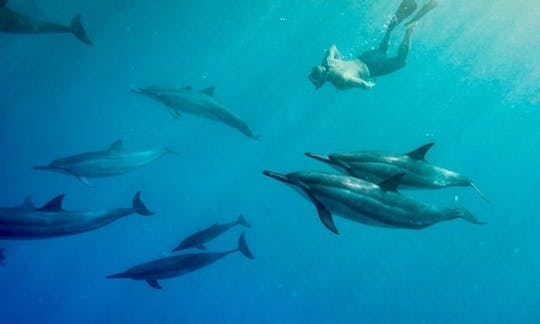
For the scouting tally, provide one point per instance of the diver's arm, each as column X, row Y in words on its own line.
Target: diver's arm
column 360, row 83
column 331, row 54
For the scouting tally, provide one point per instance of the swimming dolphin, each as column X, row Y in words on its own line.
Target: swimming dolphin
column 16, row 23
column 365, row 202
column 198, row 239
column 374, row 166
column 200, row 103
column 110, row 162
column 178, row 265
column 52, row 220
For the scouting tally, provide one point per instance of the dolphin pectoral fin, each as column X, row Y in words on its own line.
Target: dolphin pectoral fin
column 200, row 247
column 175, row 113
column 154, row 284
column 392, row 183
column 324, row 214
column 54, row 205
column 464, row 213
column 420, row 153
column 85, row 181
column 209, row 91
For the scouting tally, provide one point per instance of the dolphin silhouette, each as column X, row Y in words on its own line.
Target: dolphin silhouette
column 375, row 166
column 16, row 23
column 200, row 238
column 52, row 220
column 365, row 202
column 178, row 265
column 200, row 103
column 110, row 162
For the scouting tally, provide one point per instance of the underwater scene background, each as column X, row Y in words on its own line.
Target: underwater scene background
column 471, row 86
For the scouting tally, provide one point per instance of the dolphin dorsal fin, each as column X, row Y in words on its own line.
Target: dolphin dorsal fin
column 209, row 91
column 392, row 183
column 420, row 153
column 116, row 146
column 54, row 205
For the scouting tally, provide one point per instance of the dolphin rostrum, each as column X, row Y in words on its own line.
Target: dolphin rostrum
column 201, row 103
column 51, row 220
column 198, row 239
column 375, row 166
column 16, row 23
column 178, row 265
column 365, row 202
column 110, row 162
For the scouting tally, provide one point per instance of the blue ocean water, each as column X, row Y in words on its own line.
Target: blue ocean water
column 471, row 86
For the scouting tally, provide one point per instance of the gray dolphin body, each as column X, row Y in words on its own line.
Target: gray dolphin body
column 111, row 162
column 375, row 166
column 16, row 23
column 178, row 265
column 201, row 103
column 51, row 220
column 200, row 238
column 365, row 202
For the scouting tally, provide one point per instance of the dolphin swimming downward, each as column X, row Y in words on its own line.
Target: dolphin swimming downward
column 200, row 103
column 375, row 166
column 198, row 239
column 51, row 220
column 113, row 161
column 365, row 202
column 178, row 265
column 16, row 23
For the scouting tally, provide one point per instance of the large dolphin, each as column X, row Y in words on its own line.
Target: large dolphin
column 365, row 202
column 110, row 162
column 178, row 265
column 375, row 166
column 16, row 23
column 51, row 220
column 198, row 239
column 201, row 103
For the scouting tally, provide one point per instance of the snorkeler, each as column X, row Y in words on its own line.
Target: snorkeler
column 359, row 72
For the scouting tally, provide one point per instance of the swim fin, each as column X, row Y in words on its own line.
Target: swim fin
column 424, row 10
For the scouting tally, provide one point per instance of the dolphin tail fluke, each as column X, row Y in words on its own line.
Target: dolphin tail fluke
column 139, row 207
column 242, row 221
column 78, row 30
column 464, row 213
column 243, row 247
column 473, row 185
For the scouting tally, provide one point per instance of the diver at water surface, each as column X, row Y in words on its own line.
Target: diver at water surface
column 359, row 72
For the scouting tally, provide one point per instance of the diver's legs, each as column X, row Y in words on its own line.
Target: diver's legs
column 424, row 10
column 405, row 9
column 405, row 46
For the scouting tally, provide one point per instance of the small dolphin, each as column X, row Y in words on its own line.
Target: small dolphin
column 375, row 166
column 178, row 265
column 51, row 220
column 200, row 103
column 110, row 162
column 365, row 202
column 198, row 239
column 16, row 23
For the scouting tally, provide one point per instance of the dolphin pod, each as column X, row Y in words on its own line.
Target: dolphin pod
column 17, row 23
column 52, row 220
column 375, row 166
column 366, row 202
column 178, row 265
column 200, row 238
column 200, row 103
column 110, row 162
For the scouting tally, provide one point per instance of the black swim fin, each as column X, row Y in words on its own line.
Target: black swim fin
column 432, row 4
column 405, row 9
